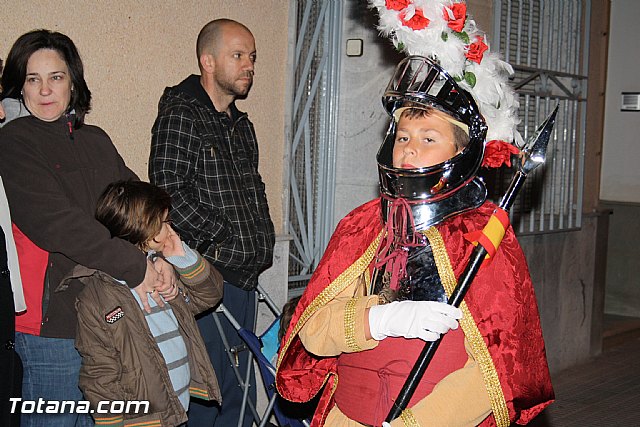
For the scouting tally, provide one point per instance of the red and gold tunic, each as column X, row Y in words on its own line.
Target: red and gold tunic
column 504, row 363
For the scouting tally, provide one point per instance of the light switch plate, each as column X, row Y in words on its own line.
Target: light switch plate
column 354, row 47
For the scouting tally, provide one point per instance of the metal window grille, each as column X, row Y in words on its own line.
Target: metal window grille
column 546, row 42
column 316, row 65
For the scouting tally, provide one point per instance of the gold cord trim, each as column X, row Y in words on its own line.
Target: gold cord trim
column 471, row 331
column 350, row 325
column 408, row 419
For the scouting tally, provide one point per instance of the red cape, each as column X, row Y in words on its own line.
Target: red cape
column 501, row 300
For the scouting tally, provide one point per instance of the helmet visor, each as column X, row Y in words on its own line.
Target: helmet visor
column 420, row 81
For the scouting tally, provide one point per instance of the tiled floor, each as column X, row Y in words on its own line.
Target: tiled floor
column 601, row 393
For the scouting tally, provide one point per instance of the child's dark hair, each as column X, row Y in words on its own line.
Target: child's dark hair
column 287, row 313
column 133, row 210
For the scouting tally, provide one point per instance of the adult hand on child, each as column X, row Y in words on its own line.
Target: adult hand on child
column 147, row 287
column 426, row 320
column 168, row 288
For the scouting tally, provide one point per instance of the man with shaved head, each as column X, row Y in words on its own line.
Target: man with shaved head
column 226, row 56
column 204, row 153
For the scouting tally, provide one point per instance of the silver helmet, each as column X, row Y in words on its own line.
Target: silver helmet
column 445, row 189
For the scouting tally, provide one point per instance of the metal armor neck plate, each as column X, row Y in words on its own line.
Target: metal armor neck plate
column 426, row 214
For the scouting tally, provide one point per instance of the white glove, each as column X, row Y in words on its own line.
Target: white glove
column 413, row 319
column 386, row 424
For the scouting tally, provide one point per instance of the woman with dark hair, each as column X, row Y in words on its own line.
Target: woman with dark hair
column 54, row 169
column 13, row 78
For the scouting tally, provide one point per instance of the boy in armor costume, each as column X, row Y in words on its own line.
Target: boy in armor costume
column 379, row 291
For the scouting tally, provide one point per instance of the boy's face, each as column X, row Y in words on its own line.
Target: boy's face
column 158, row 242
column 423, row 141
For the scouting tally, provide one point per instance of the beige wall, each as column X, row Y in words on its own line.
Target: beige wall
column 482, row 13
column 133, row 50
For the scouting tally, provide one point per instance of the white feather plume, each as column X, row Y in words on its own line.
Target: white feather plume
column 496, row 99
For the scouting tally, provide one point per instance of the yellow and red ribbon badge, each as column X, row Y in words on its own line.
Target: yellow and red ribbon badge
column 492, row 233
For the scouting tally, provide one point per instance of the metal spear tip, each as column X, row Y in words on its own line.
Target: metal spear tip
column 535, row 150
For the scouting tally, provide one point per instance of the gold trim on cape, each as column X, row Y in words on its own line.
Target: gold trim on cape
column 471, row 331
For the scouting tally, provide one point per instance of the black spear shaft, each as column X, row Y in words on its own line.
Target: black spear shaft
column 532, row 156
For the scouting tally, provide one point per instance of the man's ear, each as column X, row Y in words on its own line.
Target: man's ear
column 207, row 63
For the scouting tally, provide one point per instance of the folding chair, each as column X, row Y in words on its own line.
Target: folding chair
column 254, row 345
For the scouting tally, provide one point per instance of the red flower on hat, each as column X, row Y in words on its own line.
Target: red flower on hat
column 416, row 22
column 498, row 153
column 476, row 50
column 459, row 12
column 397, row 4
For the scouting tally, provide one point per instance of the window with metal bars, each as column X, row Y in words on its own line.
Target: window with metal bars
column 313, row 135
column 546, row 43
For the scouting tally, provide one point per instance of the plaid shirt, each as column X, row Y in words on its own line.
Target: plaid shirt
column 208, row 163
